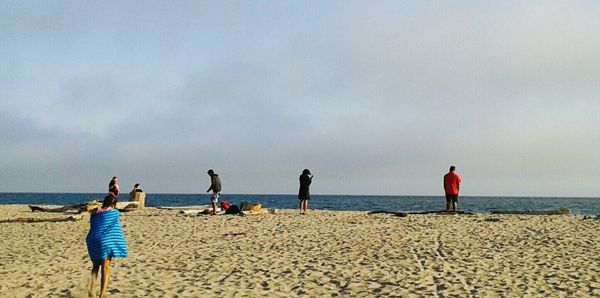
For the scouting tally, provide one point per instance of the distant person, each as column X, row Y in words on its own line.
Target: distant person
column 104, row 241
column 215, row 186
column 304, row 193
column 137, row 188
column 451, row 187
column 137, row 195
column 113, row 187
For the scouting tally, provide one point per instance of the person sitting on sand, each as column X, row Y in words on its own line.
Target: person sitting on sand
column 215, row 186
column 137, row 188
column 137, row 195
column 451, row 187
column 304, row 193
column 113, row 187
column 104, row 241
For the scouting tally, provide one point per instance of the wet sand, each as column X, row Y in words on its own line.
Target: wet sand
column 329, row 253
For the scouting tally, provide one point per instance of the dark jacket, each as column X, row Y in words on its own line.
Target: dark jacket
column 304, row 193
column 215, row 183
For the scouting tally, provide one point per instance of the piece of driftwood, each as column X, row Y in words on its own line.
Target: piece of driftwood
column 395, row 213
column 235, row 234
column 121, row 206
column 74, row 217
column 440, row 212
column 559, row 211
column 591, row 217
column 127, row 206
column 192, row 211
column 82, row 209
column 197, row 207
column 254, row 212
column 76, row 207
column 405, row 213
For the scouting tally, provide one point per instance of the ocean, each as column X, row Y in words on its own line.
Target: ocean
column 329, row 202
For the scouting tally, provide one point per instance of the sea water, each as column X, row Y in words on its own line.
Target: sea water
column 328, row 202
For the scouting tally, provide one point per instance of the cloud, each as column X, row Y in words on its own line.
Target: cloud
column 374, row 98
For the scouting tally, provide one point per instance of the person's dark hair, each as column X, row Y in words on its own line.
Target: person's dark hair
column 136, row 185
column 109, row 201
column 306, row 172
column 210, row 172
column 452, row 168
column 112, row 182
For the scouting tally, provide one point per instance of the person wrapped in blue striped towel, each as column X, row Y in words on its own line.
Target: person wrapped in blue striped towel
column 104, row 241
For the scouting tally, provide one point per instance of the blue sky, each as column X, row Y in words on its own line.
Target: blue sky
column 375, row 97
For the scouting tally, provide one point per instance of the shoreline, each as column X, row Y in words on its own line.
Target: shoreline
column 322, row 195
column 461, row 211
column 348, row 253
column 347, row 203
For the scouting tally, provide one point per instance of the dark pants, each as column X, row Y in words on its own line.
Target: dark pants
column 451, row 198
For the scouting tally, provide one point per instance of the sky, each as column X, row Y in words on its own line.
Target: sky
column 374, row 97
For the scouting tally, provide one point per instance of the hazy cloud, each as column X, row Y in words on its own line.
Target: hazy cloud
column 373, row 97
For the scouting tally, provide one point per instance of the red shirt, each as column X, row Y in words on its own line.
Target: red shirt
column 451, row 182
column 114, row 190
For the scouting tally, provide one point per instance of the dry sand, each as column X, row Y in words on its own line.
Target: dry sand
column 320, row 254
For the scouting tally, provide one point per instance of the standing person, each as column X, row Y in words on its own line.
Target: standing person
column 451, row 187
column 113, row 187
column 104, row 241
column 304, row 193
column 215, row 186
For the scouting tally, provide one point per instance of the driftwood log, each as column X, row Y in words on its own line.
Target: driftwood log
column 127, row 206
column 395, row 213
column 405, row 213
column 197, row 207
column 192, row 211
column 82, row 210
column 79, row 208
column 253, row 212
column 559, row 211
column 441, row 212
column 74, row 217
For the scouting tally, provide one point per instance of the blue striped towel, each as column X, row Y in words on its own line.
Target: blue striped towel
column 105, row 238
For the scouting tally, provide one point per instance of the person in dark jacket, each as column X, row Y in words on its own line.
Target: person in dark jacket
column 304, row 193
column 215, row 186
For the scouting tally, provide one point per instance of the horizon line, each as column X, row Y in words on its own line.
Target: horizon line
column 327, row 194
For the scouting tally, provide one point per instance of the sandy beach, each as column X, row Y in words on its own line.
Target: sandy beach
column 325, row 253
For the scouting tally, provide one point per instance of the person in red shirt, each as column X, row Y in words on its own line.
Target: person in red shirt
column 451, row 187
column 113, row 187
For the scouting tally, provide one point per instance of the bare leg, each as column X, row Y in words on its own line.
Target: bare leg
column 94, row 277
column 104, row 278
column 304, row 206
column 454, row 206
column 214, row 208
column 300, row 205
